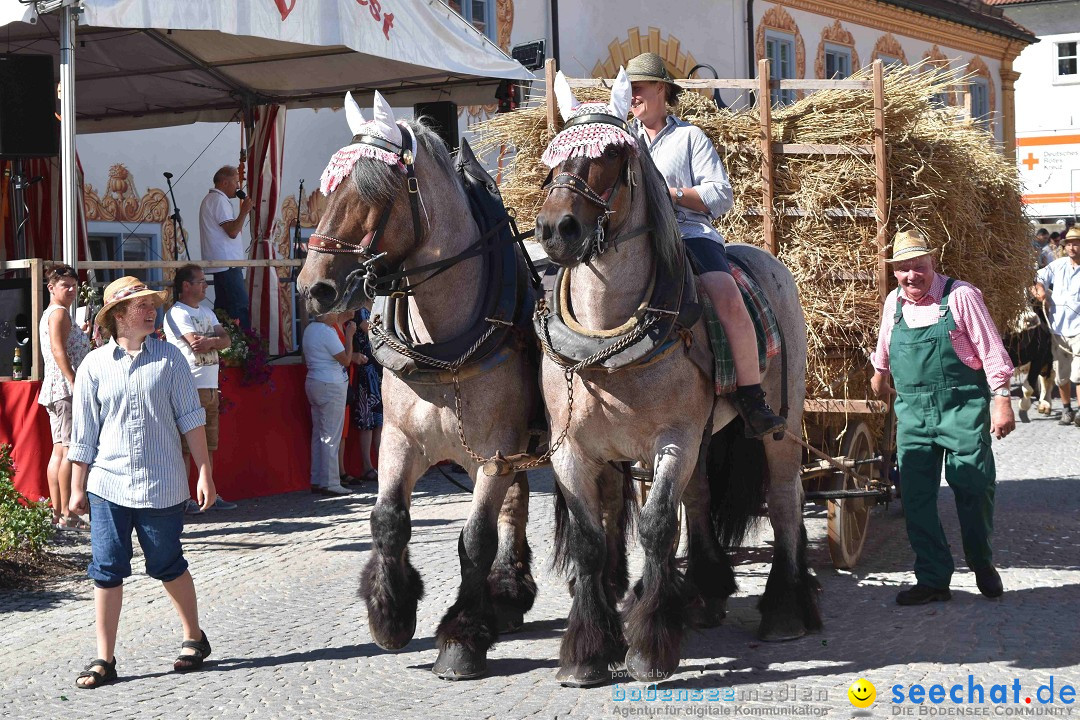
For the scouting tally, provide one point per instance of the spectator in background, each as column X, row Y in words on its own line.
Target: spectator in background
column 220, row 239
column 133, row 399
column 196, row 332
column 63, row 347
column 327, row 359
column 1044, row 248
column 1059, row 282
column 366, row 397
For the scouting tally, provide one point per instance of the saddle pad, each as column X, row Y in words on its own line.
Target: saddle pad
column 768, row 334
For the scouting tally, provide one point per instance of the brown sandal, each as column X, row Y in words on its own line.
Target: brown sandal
column 192, row 661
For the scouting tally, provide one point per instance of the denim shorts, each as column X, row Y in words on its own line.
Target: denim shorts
column 110, row 541
column 709, row 255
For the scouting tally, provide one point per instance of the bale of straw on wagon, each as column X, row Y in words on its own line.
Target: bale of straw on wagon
column 945, row 177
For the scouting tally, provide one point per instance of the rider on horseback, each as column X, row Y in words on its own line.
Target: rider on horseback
column 700, row 190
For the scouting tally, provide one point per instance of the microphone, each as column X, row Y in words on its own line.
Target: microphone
column 168, row 175
column 241, row 194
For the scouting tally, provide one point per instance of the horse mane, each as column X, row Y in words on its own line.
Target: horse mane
column 660, row 213
column 379, row 183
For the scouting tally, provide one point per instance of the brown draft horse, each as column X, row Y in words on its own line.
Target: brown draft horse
column 378, row 219
column 609, row 222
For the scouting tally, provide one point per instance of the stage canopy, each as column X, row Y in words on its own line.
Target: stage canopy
column 147, row 64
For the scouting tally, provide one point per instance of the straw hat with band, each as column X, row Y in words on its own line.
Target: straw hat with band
column 127, row 288
column 649, row 67
column 1073, row 234
column 908, row 245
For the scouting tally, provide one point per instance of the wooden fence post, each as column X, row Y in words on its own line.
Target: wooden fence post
column 765, row 114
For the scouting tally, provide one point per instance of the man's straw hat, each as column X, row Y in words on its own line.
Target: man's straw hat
column 124, row 289
column 908, row 245
column 1073, row 234
column 649, row 67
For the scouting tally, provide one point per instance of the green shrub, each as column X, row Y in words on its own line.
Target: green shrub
column 24, row 524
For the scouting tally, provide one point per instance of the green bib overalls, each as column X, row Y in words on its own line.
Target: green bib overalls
column 942, row 408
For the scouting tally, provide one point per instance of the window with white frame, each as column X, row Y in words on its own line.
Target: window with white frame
column 780, row 50
column 1066, row 60
column 837, row 61
column 481, row 13
column 119, row 242
column 980, row 101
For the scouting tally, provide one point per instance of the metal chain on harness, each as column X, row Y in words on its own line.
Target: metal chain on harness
column 453, row 367
column 570, row 370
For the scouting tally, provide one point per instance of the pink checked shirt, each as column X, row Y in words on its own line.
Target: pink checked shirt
column 975, row 339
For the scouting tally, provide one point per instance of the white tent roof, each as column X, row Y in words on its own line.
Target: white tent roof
column 150, row 64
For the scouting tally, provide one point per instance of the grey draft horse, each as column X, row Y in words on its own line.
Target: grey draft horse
column 378, row 219
column 662, row 415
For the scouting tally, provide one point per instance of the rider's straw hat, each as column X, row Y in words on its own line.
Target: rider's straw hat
column 908, row 245
column 1073, row 234
column 649, row 67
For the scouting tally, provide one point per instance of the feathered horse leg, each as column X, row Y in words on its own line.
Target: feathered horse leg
column 390, row 585
column 510, row 581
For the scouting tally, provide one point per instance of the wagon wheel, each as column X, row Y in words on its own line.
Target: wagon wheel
column 849, row 518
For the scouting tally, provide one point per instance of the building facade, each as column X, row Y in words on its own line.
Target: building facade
column 1048, row 107
column 803, row 38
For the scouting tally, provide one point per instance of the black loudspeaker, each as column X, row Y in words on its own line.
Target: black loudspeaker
column 15, row 324
column 28, row 124
column 443, row 118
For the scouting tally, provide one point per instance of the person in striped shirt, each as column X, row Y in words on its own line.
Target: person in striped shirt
column 133, row 398
column 951, row 374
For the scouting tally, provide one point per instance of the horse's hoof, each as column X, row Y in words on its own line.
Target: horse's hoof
column 641, row 670
column 508, row 620
column 392, row 640
column 457, row 662
column 781, row 629
column 1024, row 416
column 706, row 613
column 583, row 676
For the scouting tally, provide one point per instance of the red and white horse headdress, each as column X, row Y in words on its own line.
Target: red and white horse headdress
column 588, row 139
column 384, row 142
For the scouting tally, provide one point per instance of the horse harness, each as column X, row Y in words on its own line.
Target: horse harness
column 662, row 319
column 509, row 293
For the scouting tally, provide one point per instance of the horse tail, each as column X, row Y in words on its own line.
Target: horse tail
column 560, row 559
column 737, row 472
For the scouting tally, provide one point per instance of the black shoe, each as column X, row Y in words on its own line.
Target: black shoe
column 758, row 417
column 1067, row 417
column 989, row 582
column 922, row 594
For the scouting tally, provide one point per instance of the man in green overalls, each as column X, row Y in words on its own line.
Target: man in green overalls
column 952, row 376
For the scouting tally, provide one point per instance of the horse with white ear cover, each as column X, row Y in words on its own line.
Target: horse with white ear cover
column 382, row 125
column 589, row 139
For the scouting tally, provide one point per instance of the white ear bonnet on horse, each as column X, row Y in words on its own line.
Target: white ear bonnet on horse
column 589, row 139
column 382, row 125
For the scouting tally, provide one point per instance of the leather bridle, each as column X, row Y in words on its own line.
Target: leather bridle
column 367, row 250
column 596, row 243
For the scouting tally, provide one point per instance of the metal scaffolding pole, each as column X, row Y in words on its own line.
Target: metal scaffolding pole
column 70, row 190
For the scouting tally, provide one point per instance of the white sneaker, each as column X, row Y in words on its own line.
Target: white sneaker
column 336, row 490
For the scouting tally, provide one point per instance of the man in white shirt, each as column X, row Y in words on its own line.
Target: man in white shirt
column 1060, row 283
column 220, row 239
column 195, row 330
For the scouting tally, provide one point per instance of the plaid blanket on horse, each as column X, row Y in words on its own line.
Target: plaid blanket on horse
column 768, row 334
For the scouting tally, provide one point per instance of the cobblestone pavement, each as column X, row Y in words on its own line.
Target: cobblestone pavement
column 277, row 590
